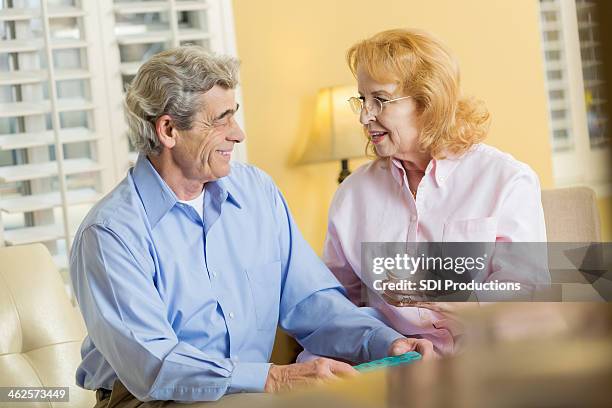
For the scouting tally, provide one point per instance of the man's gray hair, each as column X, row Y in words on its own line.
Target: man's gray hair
column 171, row 83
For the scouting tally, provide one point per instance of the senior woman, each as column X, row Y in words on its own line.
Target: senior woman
column 432, row 179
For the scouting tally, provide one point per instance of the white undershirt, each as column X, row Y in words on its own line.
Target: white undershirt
column 197, row 204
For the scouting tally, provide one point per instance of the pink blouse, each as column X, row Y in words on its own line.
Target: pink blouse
column 484, row 195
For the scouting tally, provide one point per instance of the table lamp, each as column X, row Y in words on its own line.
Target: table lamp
column 337, row 133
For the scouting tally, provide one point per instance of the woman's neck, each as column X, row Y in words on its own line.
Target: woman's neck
column 415, row 162
column 415, row 165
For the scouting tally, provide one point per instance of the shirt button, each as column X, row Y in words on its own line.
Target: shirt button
column 413, row 218
column 231, row 315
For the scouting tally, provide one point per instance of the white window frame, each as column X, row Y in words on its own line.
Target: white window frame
column 580, row 165
column 110, row 146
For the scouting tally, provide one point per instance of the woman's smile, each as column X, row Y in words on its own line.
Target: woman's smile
column 377, row 136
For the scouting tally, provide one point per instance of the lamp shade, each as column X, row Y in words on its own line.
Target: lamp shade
column 337, row 133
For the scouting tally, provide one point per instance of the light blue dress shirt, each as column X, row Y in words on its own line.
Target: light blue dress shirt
column 180, row 308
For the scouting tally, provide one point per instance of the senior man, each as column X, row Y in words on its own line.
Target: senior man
column 184, row 270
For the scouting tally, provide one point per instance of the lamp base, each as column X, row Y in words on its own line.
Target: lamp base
column 344, row 170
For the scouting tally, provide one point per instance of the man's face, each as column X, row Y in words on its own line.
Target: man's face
column 203, row 152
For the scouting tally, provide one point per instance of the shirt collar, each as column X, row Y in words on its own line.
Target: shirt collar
column 397, row 171
column 441, row 169
column 157, row 198
column 219, row 190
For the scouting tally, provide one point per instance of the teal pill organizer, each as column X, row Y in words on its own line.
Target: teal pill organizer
column 403, row 359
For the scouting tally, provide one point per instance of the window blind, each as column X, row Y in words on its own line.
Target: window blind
column 64, row 65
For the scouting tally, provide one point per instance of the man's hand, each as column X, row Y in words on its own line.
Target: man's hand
column 421, row 346
column 287, row 377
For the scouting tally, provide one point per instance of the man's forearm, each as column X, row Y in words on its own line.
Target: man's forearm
column 328, row 324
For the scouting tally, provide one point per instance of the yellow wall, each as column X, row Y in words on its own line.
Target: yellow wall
column 605, row 212
column 290, row 49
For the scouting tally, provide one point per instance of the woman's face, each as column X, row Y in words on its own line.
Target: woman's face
column 395, row 131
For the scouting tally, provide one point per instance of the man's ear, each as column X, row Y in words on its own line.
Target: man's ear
column 166, row 132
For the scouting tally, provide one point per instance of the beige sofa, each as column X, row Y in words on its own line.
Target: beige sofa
column 40, row 330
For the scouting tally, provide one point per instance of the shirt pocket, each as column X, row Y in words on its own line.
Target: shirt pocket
column 264, row 283
column 470, row 230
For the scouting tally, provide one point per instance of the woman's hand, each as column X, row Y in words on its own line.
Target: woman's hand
column 451, row 312
column 447, row 308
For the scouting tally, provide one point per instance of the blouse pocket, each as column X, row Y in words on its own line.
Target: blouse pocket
column 264, row 282
column 471, row 230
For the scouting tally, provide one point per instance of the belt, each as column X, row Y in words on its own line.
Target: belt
column 102, row 394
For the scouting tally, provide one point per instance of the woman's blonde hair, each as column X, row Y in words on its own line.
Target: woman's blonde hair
column 424, row 69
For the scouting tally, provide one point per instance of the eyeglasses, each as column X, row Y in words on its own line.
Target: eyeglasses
column 374, row 107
